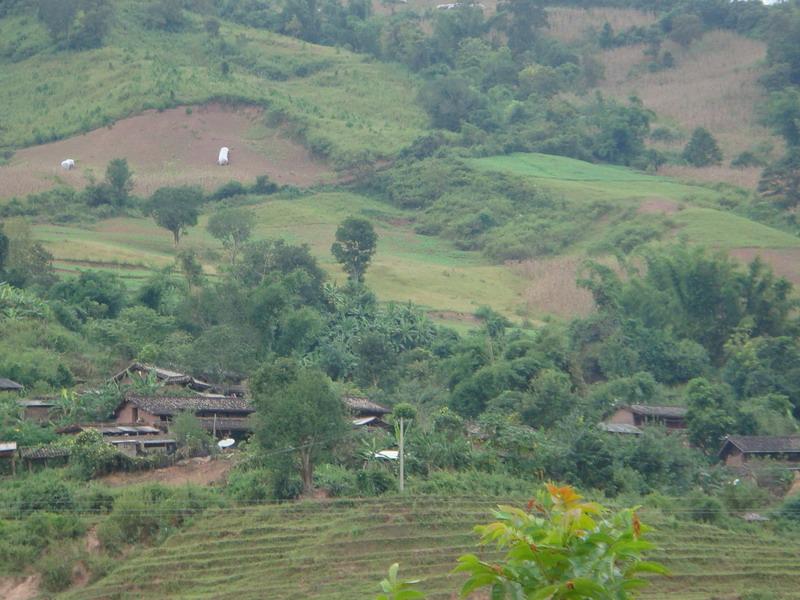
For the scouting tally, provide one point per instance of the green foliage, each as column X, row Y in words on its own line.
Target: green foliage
column 561, row 548
column 91, row 456
column 297, row 412
column 356, row 242
column 120, row 178
column 702, row 149
column 175, row 209
column 780, row 181
column 191, row 436
column 232, row 227
column 710, row 414
column 93, row 294
column 395, row 588
column 57, row 566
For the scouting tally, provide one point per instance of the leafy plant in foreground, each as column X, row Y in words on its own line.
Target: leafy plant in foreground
column 561, row 548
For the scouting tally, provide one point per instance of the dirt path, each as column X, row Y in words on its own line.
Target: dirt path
column 172, row 147
column 197, row 471
column 16, row 588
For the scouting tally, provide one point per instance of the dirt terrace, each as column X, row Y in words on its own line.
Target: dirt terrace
column 172, row 147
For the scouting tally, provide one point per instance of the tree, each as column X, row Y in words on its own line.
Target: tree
column 119, row 178
column 354, row 247
column 175, row 209
column 297, row 413
column 232, row 227
column 702, row 149
column 686, row 28
column 212, row 27
column 190, row 435
column 449, row 101
column 710, row 415
column 781, row 180
column 58, row 16
column 521, row 20
column 166, row 14
column 94, row 23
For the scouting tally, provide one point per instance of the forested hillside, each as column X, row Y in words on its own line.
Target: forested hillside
column 544, row 241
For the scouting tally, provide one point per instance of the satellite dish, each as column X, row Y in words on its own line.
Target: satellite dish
column 226, row 443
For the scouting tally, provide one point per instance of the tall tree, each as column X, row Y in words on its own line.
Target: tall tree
column 702, row 149
column 58, row 16
column 119, row 178
column 521, row 20
column 781, row 180
column 175, row 208
column 354, row 247
column 297, row 413
column 232, row 227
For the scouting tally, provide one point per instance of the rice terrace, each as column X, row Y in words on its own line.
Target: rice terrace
column 399, row 299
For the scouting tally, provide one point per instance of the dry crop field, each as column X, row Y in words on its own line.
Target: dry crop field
column 170, row 147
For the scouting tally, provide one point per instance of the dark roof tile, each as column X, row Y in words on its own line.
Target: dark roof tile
column 764, row 444
column 167, row 406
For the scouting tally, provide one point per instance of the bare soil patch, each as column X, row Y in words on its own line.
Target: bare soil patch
column 172, row 147
column 714, row 85
column 658, row 206
column 784, row 261
column 197, row 471
column 19, row 588
column 553, row 288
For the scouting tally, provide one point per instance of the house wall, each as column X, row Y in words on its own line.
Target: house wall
column 37, row 414
column 735, row 458
column 125, row 415
column 623, row 416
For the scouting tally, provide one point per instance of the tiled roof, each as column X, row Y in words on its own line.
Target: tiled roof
column 226, row 423
column 764, row 444
column 168, row 406
column 673, row 412
column 365, row 406
column 44, row 452
column 7, row 385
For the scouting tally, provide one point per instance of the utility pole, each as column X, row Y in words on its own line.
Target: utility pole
column 402, row 454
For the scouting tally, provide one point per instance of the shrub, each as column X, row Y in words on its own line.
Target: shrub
column 249, row 487
column 228, row 190
column 336, row 481
column 45, row 492
column 702, row 149
column 701, row 507
column 57, row 567
column 374, row 482
column 790, row 509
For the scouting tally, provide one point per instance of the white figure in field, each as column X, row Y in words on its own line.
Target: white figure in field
column 68, row 164
column 223, row 156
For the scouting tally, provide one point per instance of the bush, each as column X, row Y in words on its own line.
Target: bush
column 249, row 487
column 374, row 482
column 336, row 481
column 701, row 507
column 57, row 567
column 228, row 190
column 45, row 492
column 790, row 509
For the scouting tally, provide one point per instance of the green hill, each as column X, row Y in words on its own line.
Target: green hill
column 342, row 105
column 340, row 549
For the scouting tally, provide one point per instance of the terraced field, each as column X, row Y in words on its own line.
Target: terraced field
column 339, row 550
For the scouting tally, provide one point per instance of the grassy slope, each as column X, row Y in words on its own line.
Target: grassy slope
column 340, row 550
column 697, row 219
column 407, row 266
column 347, row 103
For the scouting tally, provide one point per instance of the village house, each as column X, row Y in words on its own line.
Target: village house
column 641, row 415
column 133, row 440
column 170, row 378
column 37, row 411
column 223, row 416
column 740, row 449
column 365, row 413
column 6, row 385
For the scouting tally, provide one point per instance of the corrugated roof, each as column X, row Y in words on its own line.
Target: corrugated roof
column 168, row 406
column 365, row 406
column 764, row 444
column 35, row 403
column 149, row 440
column 7, row 385
column 622, row 428
column 8, row 446
column 672, row 412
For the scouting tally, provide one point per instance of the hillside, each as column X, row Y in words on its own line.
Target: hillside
column 367, row 108
column 340, row 550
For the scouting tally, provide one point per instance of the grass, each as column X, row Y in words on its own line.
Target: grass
column 692, row 206
column 340, row 550
column 425, row 270
column 340, row 103
column 582, row 180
